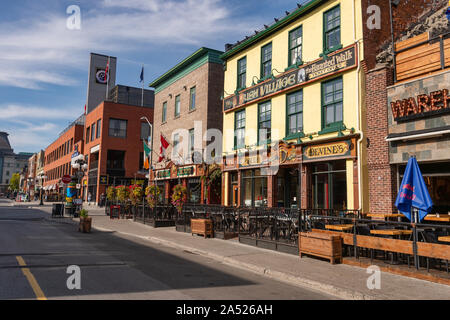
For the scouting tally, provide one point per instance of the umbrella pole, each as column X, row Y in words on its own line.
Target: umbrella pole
column 415, row 237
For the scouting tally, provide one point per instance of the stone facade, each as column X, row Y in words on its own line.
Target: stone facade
column 432, row 149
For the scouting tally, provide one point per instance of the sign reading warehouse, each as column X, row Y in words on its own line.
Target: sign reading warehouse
column 337, row 62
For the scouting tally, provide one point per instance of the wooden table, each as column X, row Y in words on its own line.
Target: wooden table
column 384, row 216
column 391, row 232
column 339, row 227
column 441, row 218
column 444, row 239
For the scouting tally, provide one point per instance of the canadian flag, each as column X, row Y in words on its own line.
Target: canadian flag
column 162, row 149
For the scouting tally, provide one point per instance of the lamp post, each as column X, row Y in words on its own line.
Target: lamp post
column 80, row 164
column 41, row 178
column 151, row 152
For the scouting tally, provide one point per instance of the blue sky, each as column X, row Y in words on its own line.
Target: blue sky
column 44, row 65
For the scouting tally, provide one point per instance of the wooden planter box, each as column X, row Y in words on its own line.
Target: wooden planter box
column 202, row 226
column 321, row 245
column 85, row 225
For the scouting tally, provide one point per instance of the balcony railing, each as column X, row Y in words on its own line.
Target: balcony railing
column 421, row 55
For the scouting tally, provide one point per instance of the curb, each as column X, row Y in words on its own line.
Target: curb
column 273, row 274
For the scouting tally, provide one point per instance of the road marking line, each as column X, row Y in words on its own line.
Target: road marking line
column 31, row 279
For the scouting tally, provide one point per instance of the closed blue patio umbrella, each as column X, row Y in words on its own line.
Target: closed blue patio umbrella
column 413, row 192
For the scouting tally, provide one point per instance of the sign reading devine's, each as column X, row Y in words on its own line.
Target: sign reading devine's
column 336, row 62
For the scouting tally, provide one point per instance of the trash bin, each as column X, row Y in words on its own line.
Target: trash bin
column 57, row 210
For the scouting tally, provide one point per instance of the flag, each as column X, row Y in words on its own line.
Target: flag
column 107, row 70
column 162, row 149
column 142, row 75
column 413, row 192
column 84, row 109
column 147, row 152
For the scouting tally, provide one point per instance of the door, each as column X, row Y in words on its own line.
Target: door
column 235, row 196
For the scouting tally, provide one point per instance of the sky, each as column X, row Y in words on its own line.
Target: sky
column 44, row 64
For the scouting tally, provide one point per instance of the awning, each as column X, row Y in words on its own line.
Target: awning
column 419, row 134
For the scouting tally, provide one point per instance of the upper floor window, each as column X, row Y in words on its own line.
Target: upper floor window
column 191, row 141
column 242, row 73
column 332, row 28
column 164, row 112
column 99, row 124
column 145, row 131
column 177, row 106
column 264, row 122
column 266, row 61
column 332, row 102
column 239, row 129
column 88, row 134
column 294, row 112
column 295, row 46
column 192, row 99
column 118, row 128
column 93, row 132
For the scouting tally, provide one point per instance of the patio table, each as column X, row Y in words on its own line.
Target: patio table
column 444, row 239
column 441, row 218
column 339, row 227
column 384, row 216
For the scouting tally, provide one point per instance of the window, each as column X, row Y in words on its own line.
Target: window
column 177, row 106
column 332, row 102
column 294, row 106
column 145, row 131
column 176, row 142
column 239, row 129
column 164, row 112
column 266, row 61
column 295, row 46
column 242, row 73
column 93, row 132
column 191, row 141
column 192, row 99
column 118, row 128
column 99, row 124
column 88, row 134
column 264, row 122
column 332, row 29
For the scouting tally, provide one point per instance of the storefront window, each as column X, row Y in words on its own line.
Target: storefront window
column 329, row 184
column 254, row 188
column 194, row 190
column 437, row 179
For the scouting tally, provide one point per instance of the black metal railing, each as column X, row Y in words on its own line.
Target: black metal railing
column 275, row 224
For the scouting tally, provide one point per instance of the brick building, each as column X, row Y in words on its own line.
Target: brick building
column 58, row 156
column 187, row 104
column 386, row 159
column 113, row 135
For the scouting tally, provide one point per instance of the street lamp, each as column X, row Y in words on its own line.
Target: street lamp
column 151, row 146
column 41, row 178
column 151, row 151
column 80, row 164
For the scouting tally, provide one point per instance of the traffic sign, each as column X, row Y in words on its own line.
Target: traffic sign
column 66, row 179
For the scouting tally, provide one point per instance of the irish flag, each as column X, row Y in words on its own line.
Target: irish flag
column 147, row 151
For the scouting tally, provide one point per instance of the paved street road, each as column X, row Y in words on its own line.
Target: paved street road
column 35, row 254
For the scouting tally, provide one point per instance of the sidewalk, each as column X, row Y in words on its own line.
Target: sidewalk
column 342, row 281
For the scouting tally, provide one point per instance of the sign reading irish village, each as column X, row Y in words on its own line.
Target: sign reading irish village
column 337, row 62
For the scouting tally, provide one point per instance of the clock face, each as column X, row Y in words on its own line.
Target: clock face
column 101, row 77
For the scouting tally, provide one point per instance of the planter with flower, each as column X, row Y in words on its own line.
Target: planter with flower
column 111, row 199
column 85, row 221
column 123, row 197
column 136, row 197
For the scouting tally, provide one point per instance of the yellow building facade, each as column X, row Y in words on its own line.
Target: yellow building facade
column 293, row 104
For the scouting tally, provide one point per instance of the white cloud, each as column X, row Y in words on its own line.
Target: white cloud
column 18, row 113
column 42, row 51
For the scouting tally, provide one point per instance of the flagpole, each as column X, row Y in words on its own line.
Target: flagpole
column 107, row 78
column 142, row 100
